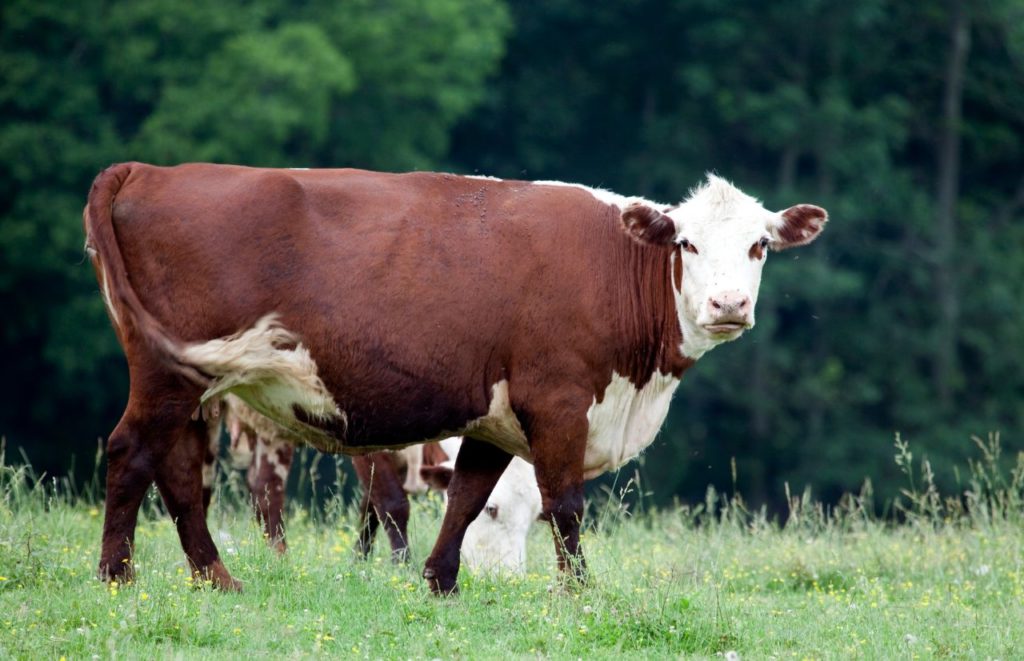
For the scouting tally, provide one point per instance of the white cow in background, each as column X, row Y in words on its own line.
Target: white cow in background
column 496, row 540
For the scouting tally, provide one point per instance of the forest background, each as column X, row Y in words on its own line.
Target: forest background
column 904, row 119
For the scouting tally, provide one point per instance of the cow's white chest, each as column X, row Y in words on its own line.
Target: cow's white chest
column 625, row 421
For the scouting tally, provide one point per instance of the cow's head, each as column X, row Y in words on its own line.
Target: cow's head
column 495, row 541
column 723, row 236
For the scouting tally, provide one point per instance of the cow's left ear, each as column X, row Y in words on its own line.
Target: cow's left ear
column 437, row 477
column 797, row 226
column 648, row 225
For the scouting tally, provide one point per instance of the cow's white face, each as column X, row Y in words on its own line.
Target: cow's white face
column 723, row 236
column 495, row 541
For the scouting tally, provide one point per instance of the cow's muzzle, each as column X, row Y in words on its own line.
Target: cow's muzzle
column 731, row 313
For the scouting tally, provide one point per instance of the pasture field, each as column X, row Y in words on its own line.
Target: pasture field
column 946, row 582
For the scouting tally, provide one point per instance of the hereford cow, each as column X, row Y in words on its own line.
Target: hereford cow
column 258, row 448
column 363, row 311
column 495, row 541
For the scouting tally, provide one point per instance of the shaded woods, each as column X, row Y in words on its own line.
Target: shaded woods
column 905, row 120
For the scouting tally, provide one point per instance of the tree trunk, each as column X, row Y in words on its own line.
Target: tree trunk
column 947, row 193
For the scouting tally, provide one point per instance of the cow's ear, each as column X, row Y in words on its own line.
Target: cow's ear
column 438, row 477
column 648, row 225
column 434, row 454
column 797, row 226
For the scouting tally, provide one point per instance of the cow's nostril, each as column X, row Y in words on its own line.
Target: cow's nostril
column 715, row 304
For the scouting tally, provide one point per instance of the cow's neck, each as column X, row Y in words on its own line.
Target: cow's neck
column 625, row 417
column 651, row 338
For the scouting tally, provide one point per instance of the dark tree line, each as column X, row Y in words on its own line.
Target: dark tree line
column 905, row 120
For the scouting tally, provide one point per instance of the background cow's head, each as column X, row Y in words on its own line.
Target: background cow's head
column 496, row 541
column 723, row 236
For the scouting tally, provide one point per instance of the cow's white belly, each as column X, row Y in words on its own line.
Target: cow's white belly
column 625, row 421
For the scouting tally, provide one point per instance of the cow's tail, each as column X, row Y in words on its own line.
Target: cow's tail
column 130, row 317
column 265, row 365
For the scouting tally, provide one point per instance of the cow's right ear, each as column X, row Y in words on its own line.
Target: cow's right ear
column 648, row 225
column 437, row 477
column 797, row 226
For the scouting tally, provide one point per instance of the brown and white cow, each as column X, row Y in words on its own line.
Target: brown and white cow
column 495, row 541
column 256, row 448
column 364, row 311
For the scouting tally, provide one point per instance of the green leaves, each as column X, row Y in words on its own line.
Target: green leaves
column 264, row 98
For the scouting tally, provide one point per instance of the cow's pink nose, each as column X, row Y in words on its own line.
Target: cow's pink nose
column 730, row 304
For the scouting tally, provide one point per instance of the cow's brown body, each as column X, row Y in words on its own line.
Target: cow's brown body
column 419, row 297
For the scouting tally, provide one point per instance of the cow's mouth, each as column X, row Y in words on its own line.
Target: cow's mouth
column 725, row 328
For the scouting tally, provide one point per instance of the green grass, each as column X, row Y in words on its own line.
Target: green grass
column 948, row 582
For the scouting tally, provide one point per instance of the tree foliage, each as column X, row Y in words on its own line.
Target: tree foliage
column 840, row 104
column 893, row 321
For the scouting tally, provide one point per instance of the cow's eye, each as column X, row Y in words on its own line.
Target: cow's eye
column 492, row 510
column 764, row 242
column 687, row 246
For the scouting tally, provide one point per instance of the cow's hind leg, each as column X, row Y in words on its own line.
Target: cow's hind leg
column 131, row 466
column 268, row 475
column 478, row 467
column 384, row 503
column 179, row 477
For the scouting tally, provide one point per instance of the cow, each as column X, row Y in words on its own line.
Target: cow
column 363, row 311
column 255, row 447
column 495, row 541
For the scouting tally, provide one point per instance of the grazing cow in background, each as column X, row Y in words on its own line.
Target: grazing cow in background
column 387, row 478
column 495, row 541
column 363, row 311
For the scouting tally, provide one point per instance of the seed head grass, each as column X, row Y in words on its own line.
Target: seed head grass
column 938, row 578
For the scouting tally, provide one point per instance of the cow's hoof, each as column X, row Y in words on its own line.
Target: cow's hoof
column 400, row 556
column 121, row 573
column 217, row 576
column 440, row 585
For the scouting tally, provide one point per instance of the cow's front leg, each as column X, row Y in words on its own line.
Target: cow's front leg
column 478, row 467
column 558, row 442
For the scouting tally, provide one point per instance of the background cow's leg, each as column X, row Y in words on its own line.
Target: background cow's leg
column 267, row 477
column 368, row 523
column 478, row 467
column 210, row 460
column 384, row 502
column 558, row 443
